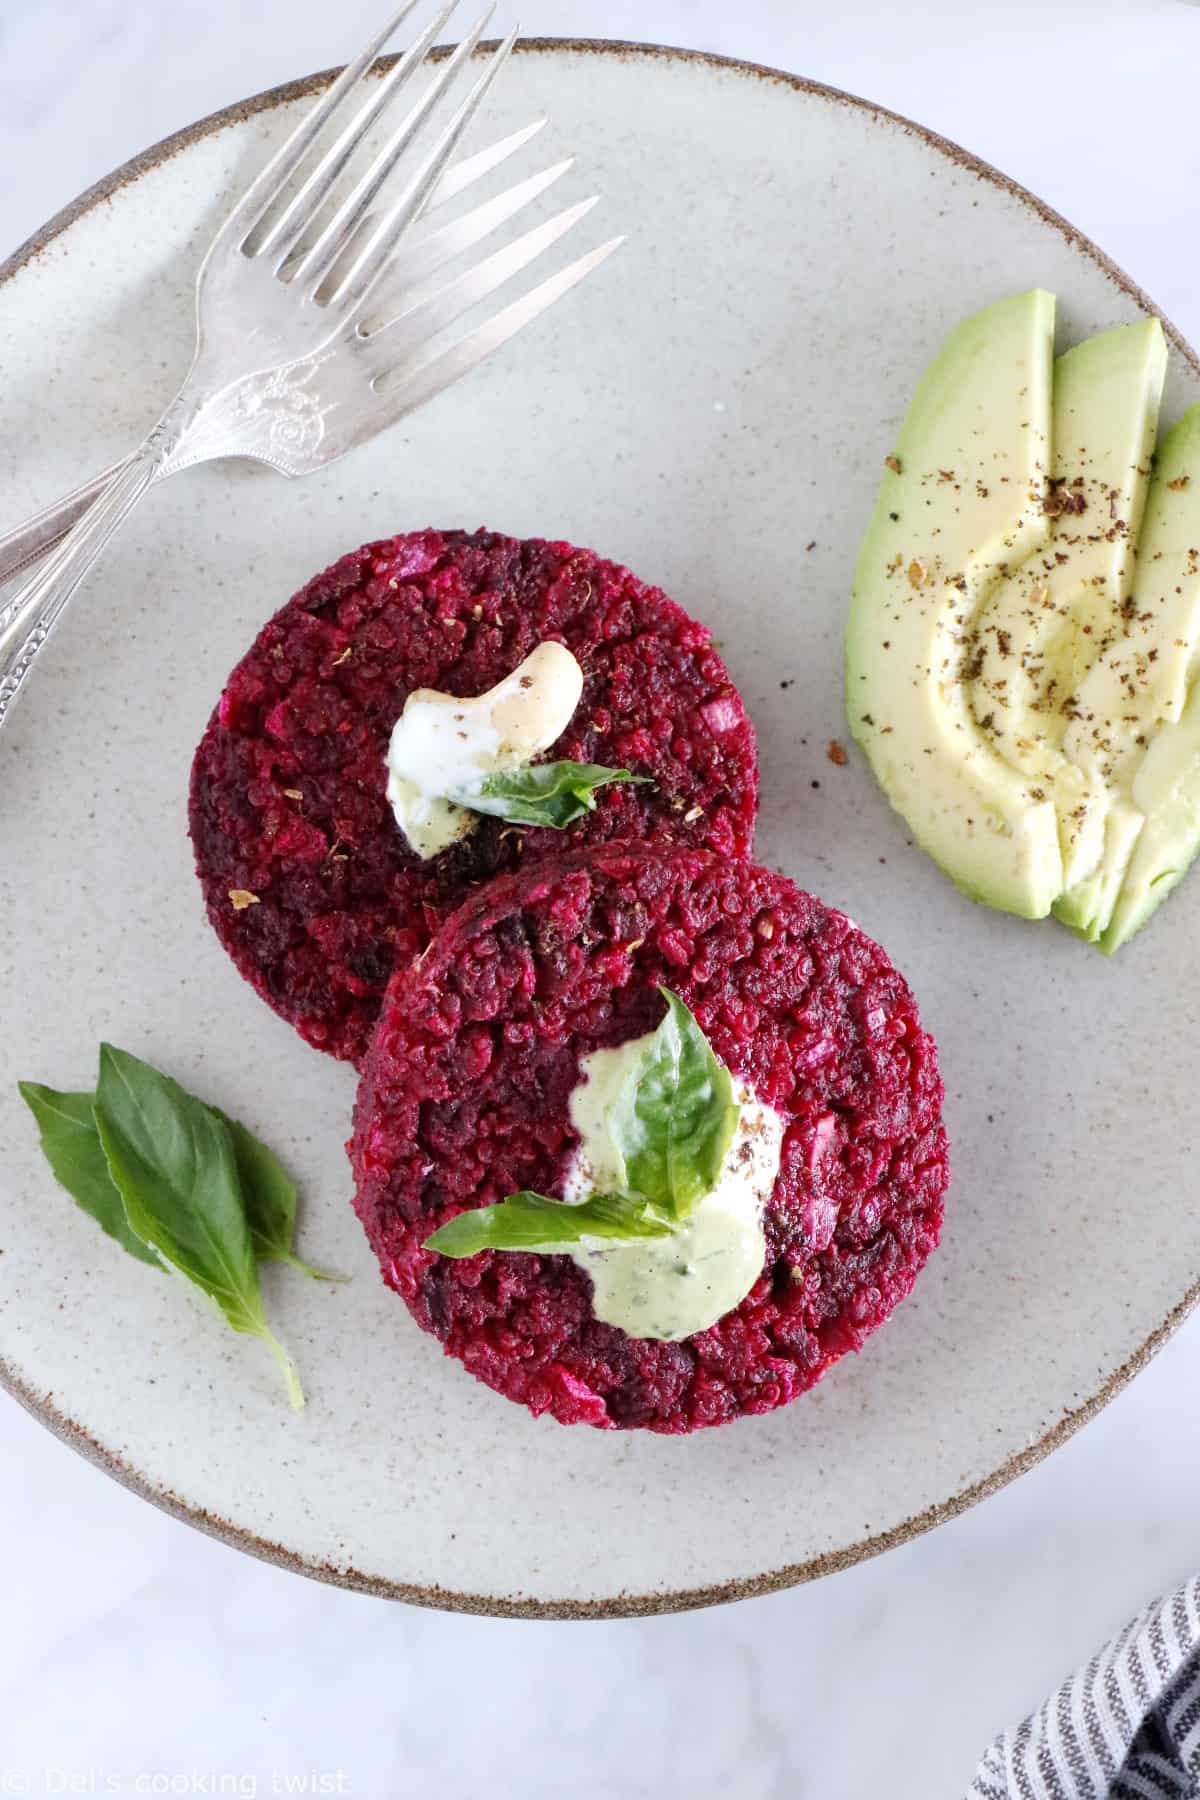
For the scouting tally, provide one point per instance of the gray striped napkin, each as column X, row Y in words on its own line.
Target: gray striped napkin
column 1126, row 1727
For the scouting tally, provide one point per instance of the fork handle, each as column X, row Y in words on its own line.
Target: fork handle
column 27, row 621
column 29, row 542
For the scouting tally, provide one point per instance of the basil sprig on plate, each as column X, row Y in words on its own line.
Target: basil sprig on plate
column 671, row 1124
column 71, row 1145
column 269, row 1195
column 554, row 793
column 176, row 1183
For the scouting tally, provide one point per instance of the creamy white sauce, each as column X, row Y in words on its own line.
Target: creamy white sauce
column 441, row 745
column 674, row 1286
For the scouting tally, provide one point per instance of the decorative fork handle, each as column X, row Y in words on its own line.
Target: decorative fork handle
column 29, row 618
column 28, row 543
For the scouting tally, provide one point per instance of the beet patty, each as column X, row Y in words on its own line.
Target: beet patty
column 465, row 1099
column 308, row 881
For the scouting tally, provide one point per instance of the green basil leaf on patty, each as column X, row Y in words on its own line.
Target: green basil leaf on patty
column 675, row 1117
column 528, row 1221
column 71, row 1145
column 553, row 794
column 672, row 1124
column 175, row 1165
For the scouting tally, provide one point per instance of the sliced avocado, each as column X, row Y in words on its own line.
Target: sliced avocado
column 962, row 501
column 1140, row 707
column 1049, row 620
column 1166, row 789
column 1087, row 906
column 1107, row 392
column 1022, row 648
column 1149, row 666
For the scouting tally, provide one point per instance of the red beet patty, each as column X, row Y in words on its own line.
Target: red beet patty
column 308, row 881
column 465, row 1097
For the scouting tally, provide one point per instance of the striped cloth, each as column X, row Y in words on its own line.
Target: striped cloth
column 1126, row 1727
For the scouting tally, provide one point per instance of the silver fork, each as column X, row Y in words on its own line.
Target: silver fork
column 316, row 325
column 423, row 251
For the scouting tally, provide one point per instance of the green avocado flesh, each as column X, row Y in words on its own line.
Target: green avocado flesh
column 961, row 501
column 1024, row 628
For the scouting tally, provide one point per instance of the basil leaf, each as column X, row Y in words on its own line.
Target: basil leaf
column 71, row 1145
column 269, row 1198
column 528, row 1221
column 671, row 1124
column 175, row 1165
column 675, row 1117
column 554, row 794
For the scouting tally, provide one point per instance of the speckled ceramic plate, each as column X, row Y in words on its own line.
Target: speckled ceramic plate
column 713, row 409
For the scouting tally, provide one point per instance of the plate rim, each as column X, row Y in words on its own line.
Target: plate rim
column 71, row 1432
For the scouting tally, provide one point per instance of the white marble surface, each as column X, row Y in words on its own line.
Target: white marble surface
column 139, row 1657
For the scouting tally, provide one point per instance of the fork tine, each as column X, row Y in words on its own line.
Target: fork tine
column 434, row 249
column 409, row 385
column 298, row 215
column 474, row 168
column 319, row 257
column 427, row 245
column 438, row 306
column 372, row 259
column 267, row 184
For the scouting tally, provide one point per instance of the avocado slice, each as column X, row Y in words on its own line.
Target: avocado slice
column 1140, row 707
column 1167, row 790
column 1087, row 907
column 961, row 503
column 1050, row 620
